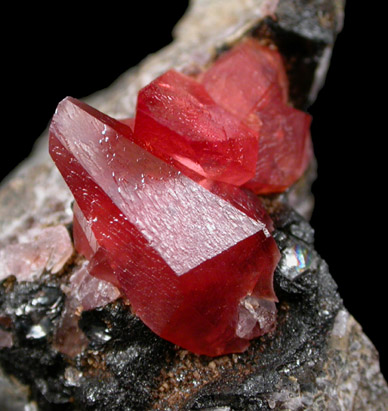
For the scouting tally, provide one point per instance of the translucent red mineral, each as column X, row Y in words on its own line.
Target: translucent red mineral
column 231, row 124
column 177, row 119
column 250, row 81
column 196, row 264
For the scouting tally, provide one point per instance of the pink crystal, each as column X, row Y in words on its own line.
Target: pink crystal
column 84, row 292
column 37, row 250
column 184, row 256
column 69, row 339
column 91, row 292
column 241, row 77
column 256, row 317
column 285, row 146
column 177, row 119
column 250, row 81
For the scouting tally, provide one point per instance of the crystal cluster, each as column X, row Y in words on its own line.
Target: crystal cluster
column 165, row 206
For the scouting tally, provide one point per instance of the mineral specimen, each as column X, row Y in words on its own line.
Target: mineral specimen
column 158, row 212
column 184, row 256
column 317, row 358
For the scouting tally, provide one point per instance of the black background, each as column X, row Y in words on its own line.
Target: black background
column 49, row 54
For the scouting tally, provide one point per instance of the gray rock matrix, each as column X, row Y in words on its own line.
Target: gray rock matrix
column 317, row 359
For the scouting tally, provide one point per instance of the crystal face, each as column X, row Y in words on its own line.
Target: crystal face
column 285, row 147
column 242, row 76
column 176, row 118
column 186, row 256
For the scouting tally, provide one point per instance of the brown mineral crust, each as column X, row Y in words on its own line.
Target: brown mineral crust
column 93, row 365
column 188, row 373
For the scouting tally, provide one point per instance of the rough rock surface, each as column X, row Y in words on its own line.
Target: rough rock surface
column 318, row 358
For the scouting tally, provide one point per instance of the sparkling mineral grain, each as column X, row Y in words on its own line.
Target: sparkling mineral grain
column 186, row 258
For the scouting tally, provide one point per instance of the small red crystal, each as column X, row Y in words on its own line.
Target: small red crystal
column 177, row 119
column 185, row 257
column 285, row 146
column 250, row 81
column 241, row 77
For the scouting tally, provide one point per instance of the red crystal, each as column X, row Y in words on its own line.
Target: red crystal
column 185, row 257
column 241, row 77
column 250, row 81
column 177, row 119
column 285, row 145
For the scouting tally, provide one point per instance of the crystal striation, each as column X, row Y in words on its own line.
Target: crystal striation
column 184, row 256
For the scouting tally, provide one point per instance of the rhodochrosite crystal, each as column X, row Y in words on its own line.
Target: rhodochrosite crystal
column 196, row 263
column 242, row 76
column 250, row 81
column 232, row 123
column 178, row 119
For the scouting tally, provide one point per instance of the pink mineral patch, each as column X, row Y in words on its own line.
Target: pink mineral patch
column 90, row 292
column 285, row 144
column 69, row 339
column 36, row 251
column 84, row 292
column 241, row 77
column 250, row 81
